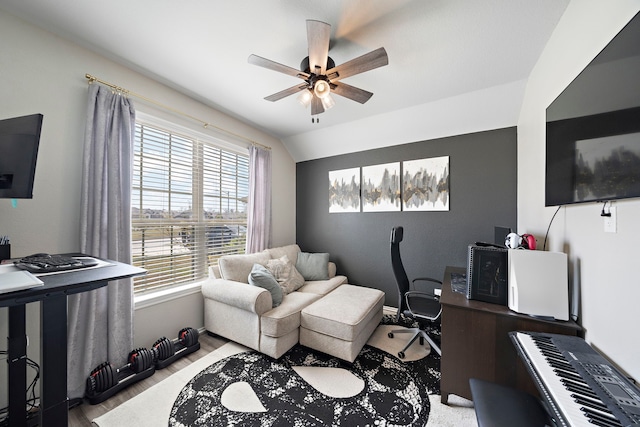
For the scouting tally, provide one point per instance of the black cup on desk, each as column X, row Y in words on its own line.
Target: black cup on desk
column 5, row 252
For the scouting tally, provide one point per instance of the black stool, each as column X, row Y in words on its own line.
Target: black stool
column 500, row 406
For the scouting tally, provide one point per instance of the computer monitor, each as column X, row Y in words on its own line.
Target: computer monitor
column 500, row 235
column 19, row 141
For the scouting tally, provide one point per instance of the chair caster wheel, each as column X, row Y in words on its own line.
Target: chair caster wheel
column 390, row 334
column 401, row 354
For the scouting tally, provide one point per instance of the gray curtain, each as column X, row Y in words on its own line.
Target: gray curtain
column 100, row 322
column 259, row 215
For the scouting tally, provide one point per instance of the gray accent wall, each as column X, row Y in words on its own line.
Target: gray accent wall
column 483, row 189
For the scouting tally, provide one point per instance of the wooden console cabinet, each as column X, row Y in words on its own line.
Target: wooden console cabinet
column 475, row 342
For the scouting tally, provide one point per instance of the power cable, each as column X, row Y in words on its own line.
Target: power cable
column 544, row 247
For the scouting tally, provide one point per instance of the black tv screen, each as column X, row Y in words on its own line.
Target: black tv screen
column 593, row 128
column 19, row 141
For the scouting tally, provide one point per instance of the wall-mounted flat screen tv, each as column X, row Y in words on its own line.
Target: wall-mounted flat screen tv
column 593, row 128
column 19, row 141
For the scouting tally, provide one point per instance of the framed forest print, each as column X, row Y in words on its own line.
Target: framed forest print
column 344, row 190
column 425, row 184
column 381, row 187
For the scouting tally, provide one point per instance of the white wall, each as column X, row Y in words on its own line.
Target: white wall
column 487, row 109
column 603, row 264
column 42, row 73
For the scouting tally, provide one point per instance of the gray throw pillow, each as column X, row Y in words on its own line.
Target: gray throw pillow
column 261, row 277
column 313, row 266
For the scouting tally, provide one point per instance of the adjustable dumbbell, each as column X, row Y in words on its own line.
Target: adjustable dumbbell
column 163, row 348
column 167, row 351
column 139, row 360
column 105, row 376
column 188, row 336
column 101, row 378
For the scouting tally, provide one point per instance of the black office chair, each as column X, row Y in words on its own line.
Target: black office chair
column 420, row 305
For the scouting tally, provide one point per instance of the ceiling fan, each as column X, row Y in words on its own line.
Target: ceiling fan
column 320, row 74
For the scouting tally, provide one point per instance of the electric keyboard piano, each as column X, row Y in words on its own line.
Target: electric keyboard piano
column 579, row 387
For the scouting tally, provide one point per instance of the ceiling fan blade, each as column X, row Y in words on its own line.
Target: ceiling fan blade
column 316, row 106
column 275, row 66
column 368, row 61
column 284, row 93
column 318, row 34
column 351, row 92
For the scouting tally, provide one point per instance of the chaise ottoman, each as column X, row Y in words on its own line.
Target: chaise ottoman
column 341, row 322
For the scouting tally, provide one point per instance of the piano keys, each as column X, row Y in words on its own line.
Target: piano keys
column 579, row 386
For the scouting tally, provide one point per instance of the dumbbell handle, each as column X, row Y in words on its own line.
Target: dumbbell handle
column 117, row 370
column 122, row 368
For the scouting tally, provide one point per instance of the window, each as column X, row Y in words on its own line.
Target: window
column 189, row 205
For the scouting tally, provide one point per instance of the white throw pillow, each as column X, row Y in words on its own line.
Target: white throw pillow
column 286, row 274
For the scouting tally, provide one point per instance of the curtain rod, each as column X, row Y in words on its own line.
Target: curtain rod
column 204, row 124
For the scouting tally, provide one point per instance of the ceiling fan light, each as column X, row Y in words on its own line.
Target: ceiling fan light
column 305, row 98
column 321, row 89
column 328, row 102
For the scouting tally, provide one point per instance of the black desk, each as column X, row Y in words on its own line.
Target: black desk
column 54, row 406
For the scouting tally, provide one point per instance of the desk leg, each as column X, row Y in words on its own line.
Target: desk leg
column 54, row 405
column 17, row 358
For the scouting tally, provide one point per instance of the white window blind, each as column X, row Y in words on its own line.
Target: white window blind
column 189, row 206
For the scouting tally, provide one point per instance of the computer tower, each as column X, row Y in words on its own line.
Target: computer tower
column 487, row 274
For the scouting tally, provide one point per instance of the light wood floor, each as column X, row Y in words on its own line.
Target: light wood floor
column 81, row 416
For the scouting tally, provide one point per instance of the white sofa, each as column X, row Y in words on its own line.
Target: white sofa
column 244, row 313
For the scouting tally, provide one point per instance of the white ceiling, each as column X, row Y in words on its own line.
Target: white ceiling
column 438, row 49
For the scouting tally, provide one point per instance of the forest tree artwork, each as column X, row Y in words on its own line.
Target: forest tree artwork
column 381, row 187
column 425, row 184
column 344, row 190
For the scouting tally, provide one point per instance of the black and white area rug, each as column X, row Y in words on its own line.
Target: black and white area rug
column 236, row 386
column 308, row 388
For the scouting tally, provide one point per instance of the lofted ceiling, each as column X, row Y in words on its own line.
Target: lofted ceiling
column 437, row 49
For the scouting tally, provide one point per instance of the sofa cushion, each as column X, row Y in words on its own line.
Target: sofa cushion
column 332, row 269
column 286, row 274
column 291, row 251
column 323, row 287
column 286, row 317
column 313, row 266
column 237, row 267
column 260, row 276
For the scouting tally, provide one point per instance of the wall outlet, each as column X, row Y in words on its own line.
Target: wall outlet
column 610, row 221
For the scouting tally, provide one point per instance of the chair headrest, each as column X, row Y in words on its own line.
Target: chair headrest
column 397, row 234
